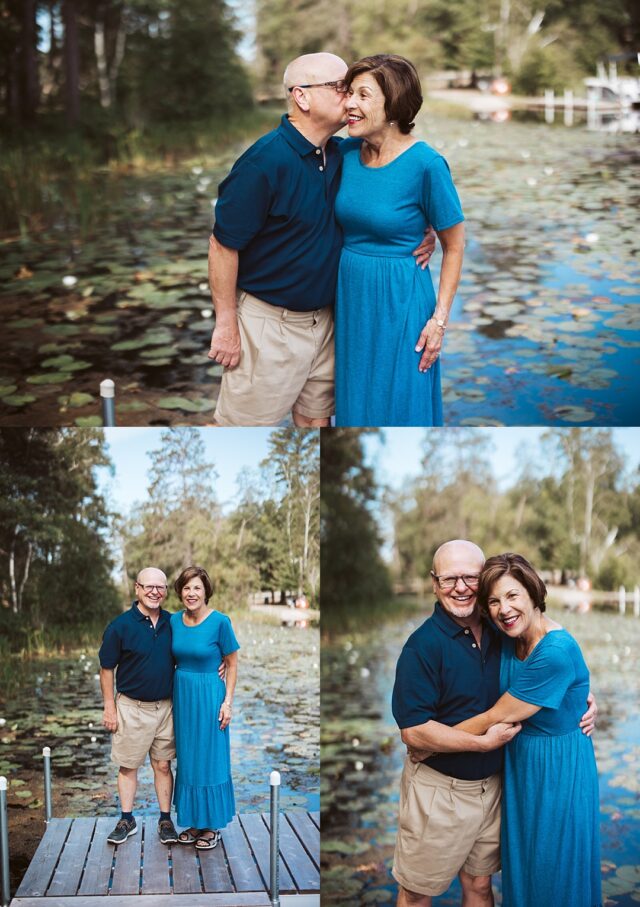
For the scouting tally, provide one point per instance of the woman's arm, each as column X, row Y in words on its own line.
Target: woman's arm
column 431, row 336
column 507, row 709
column 231, row 666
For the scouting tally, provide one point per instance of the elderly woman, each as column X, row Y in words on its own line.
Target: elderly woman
column 550, row 816
column 202, row 639
column 389, row 326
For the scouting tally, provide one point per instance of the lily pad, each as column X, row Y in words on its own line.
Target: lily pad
column 190, row 406
column 51, row 378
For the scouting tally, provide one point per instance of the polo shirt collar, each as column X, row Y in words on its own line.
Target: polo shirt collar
column 137, row 613
column 295, row 138
column 451, row 628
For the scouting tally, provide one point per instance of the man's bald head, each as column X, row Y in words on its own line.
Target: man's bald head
column 458, row 550
column 310, row 69
column 151, row 589
column 149, row 575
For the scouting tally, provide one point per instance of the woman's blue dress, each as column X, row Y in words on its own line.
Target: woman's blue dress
column 550, row 815
column 203, row 794
column 383, row 299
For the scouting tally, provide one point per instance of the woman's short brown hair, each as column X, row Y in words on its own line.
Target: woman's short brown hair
column 510, row 565
column 398, row 79
column 190, row 573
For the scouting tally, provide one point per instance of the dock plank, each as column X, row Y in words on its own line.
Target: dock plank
column 238, row 899
column 256, row 831
column 97, row 870
column 241, row 862
column 66, row 877
column 155, row 861
column 186, row 872
column 304, row 871
column 38, row 876
column 126, row 872
column 315, row 818
column 308, row 833
column 215, row 873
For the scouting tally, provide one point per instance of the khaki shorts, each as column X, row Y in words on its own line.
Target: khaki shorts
column 286, row 365
column 143, row 727
column 445, row 825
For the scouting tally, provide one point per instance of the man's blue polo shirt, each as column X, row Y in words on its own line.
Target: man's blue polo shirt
column 443, row 676
column 276, row 209
column 141, row 653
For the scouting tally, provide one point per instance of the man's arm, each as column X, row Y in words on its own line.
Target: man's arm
column 440, row 738
column 588, row 720
column 109, row 715
column 425, row 250
column 223, row 278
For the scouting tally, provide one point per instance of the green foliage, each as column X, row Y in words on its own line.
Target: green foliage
column 537, row 72
column 352, row 570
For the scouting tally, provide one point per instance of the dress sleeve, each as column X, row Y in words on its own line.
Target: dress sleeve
column 416, row 689
column 442, row 205
column 243, row 205
column 111, row 648
column 228, row 641
column 545, row 677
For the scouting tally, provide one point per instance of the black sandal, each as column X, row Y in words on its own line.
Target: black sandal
column 204, row 842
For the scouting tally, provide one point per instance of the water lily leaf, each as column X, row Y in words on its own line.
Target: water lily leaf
column 19, row 399
column 24, row 322
column 190, row 406
column 574, row 413
column 88, row 421
column 52, row 378
column 6, row 390
column 76, row 399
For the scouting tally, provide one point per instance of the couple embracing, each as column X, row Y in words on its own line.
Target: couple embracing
column 489, row 669
column 159, row 671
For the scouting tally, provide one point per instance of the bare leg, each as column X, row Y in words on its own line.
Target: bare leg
column 163, row 780
column 476, row 890
column 412, row 899
column 127, row 785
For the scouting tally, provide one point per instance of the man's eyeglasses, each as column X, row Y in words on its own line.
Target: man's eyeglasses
column 340, row 87
column 149, row 589
column 471, row 581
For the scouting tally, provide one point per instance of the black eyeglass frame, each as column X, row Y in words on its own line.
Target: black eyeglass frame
column 475, row 577
column 343, row 90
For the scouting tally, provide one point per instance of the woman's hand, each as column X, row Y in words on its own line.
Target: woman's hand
column 224, row 716
column 430, row 340
column 500, row 734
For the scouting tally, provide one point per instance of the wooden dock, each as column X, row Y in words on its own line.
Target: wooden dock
column 74, row 866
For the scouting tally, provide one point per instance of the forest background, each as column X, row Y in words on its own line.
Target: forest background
column 68, row 557
column 86, row 84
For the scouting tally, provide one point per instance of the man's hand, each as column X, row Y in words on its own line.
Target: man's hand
column 110, row 717
column 430, row 340
column 225, row 344
column 501, row 733
column 222, row 670
column 417, row 755
column 588, row 720
column 426, row 248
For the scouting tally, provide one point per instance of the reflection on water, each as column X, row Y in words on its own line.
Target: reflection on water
column 275, row 726
column 545, row 327
column 362, row 758
column 624, row 120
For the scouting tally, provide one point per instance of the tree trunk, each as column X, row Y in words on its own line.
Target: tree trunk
column 100, row 48
column 29, row 62
column 71, row 61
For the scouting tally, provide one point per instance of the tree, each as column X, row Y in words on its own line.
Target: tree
column 352, row 570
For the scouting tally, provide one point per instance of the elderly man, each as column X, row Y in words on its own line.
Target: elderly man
column 448, row 671
column 137, row 647
column 273, row 259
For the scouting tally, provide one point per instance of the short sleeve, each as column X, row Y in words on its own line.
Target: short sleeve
column 111, row 648
column 243, row 205
column 227, row 638
column 416, row 689
column 442, row 205
column 545, row 677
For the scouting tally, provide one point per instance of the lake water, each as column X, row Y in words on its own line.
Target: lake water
column 545, row 327
column 275, row 725
column 362, row 758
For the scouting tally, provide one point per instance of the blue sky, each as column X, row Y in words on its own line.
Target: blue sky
column 230, row 449
column 399, row 457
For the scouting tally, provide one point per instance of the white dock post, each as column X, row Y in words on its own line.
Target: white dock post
column 274, row 841
column 4, row 843
column 48, row 811
column 549, row 108
column 636, row 602
column 108, row 393
column 622, row 600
